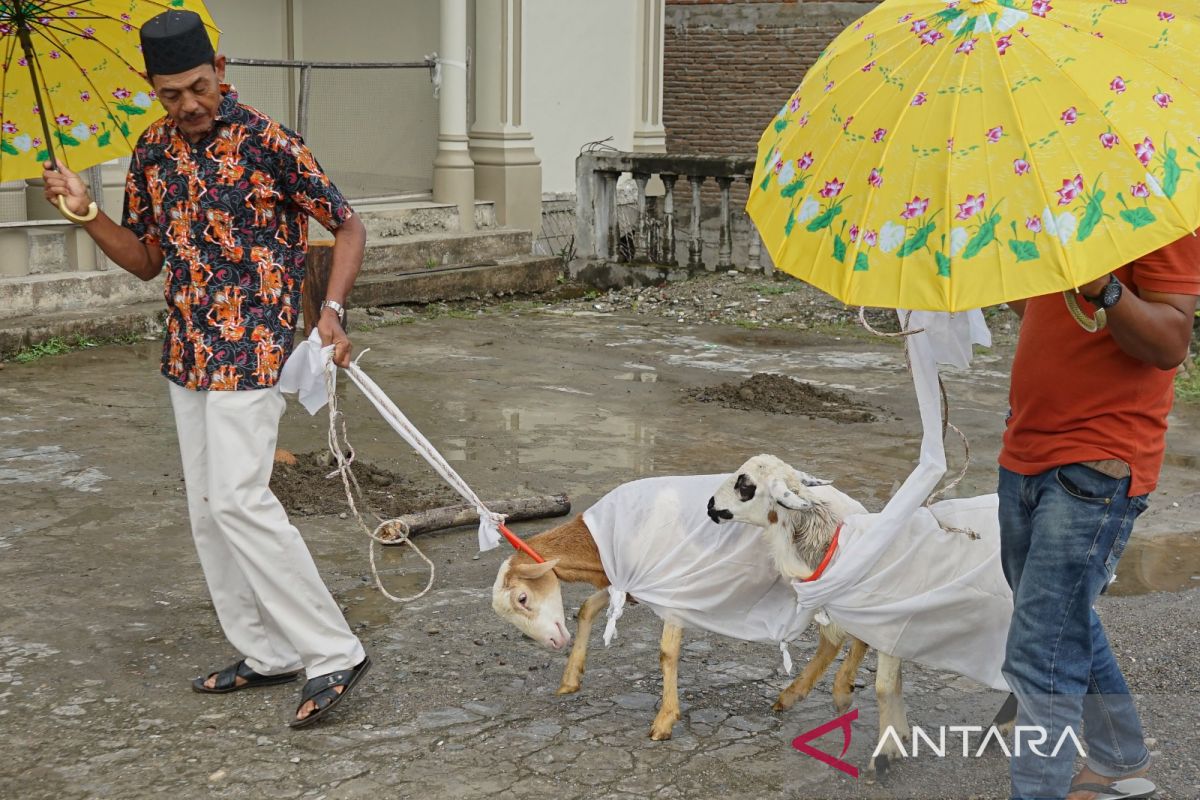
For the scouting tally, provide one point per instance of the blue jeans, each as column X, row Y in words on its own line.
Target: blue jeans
column 1062, row 533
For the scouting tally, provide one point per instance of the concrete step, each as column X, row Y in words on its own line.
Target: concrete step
column 73, row 291
column 108, row 323
column 510, row 275
column 421, row 252
column 412, row 217
column 513, row 275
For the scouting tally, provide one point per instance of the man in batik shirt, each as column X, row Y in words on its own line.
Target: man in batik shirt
column 220, row 195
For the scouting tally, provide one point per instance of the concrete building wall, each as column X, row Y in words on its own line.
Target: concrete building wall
column 729, row 64
column 579, row 80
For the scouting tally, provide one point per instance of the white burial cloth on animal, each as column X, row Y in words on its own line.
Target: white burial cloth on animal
column 659, row 546
column 899, row 582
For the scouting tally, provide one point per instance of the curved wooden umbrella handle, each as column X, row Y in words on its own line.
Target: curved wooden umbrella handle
column 69, row 214
column 1087, row 323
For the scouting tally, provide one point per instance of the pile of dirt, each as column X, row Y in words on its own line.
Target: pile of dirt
column 305, row 491
column 783, row 395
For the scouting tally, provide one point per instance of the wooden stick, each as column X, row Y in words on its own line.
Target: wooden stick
column 516, row 510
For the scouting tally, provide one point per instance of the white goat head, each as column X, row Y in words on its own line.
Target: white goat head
column 530, row 597
column 759, row 486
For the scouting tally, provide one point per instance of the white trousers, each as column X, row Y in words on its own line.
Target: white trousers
column 270, row 599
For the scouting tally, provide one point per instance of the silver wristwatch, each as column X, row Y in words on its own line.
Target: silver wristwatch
column 337, row 309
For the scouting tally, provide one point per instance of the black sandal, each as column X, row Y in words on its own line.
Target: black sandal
column 321, row 690
column 226, row 681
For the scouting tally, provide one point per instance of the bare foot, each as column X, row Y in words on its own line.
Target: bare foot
column 308, row 708
column 211, row 683
column 1085, row 775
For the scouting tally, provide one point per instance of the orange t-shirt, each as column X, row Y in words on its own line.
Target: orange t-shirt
column 1076, row 396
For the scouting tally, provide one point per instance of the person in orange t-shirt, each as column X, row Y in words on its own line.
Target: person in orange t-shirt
column 1082, row 451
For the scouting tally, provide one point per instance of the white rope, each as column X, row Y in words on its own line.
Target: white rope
column 397, row 529
column 489, row 521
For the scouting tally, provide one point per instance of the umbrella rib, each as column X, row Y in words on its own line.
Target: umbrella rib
column 1037, row 174
column 882, row 159
column 99, row 95
column 1178, row 213
column 41, row 29
column 12, row 45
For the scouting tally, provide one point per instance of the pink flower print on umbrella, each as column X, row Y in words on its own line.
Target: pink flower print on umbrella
column 85, row 96
column 875, row 178
column 870, row 238
column 853, row 234
column 931, row 37
column 950, row 145
column 1071, row 189
column 72, row 13
column 846, row 124
column 869, row 66
column 1109, row 140
column 971, row 206
column 1070, row 116
column 878, row 135
column 37, row 141
column 64, row 120
column 803, row 121
column 1041, row 8
column 916, row 208
column 89, row 32
column 919, row 27
column 94, row 128
column 829, row 87
column 1118, row 85
column 21, row 62
column 1004, row 43
column 832, row 188
column 994, row 134
column 1166, row 16
column 54, row 54
column 9, row 126
column 1145, row 151
column 794, row 105
column 127, row 27
column 122, row 93
column 967, row 47
column 904, row 19
column 1163, row 99
column 805, row 161
column 920, row 99
column 1139, row 190
column 1034, row 224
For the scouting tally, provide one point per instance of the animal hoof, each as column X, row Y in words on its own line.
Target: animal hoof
column 842, row 702
column 568, row 688
column 880, row 766
column 783, row 704
column 659, row 735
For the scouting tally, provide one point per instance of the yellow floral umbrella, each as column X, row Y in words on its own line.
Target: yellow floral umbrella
column 73, row 88
column 953, row 155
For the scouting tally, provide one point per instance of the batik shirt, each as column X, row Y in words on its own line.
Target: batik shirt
column 230, row 214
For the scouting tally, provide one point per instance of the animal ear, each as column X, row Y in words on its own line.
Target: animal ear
column 786, row 497
column 809, row 480
column 531, row 572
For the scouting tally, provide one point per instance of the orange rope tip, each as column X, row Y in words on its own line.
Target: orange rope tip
column 519, row 543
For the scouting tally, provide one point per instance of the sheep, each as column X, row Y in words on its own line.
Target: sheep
column 528, row 595
column 799, row 516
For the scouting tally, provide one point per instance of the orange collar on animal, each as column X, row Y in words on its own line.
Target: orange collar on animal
column 833, row 543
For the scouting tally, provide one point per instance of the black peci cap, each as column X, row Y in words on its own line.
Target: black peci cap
column 174, row 42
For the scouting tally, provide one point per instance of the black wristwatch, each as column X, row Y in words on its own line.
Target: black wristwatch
column 1109, row 296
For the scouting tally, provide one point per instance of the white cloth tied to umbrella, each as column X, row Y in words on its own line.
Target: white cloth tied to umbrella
column 304, row 375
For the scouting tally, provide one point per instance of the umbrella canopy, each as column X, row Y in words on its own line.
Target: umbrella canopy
column 73, row 86
column 951, row 155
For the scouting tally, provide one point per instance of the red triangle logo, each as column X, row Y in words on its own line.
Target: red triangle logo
column 843, row 722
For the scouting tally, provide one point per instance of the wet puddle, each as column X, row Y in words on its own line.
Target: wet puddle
column 367, row 605
column 1159, row 563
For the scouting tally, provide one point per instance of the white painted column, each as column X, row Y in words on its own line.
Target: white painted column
column 453, row 169
column 507, row 169
column 649, row 135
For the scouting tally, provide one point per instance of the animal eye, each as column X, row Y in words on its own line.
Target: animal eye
column 523, row 600
column 745, row 488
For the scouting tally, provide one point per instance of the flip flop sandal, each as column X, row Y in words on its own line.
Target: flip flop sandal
column 321, row 690
column 226, row 681
column 1126, row 789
